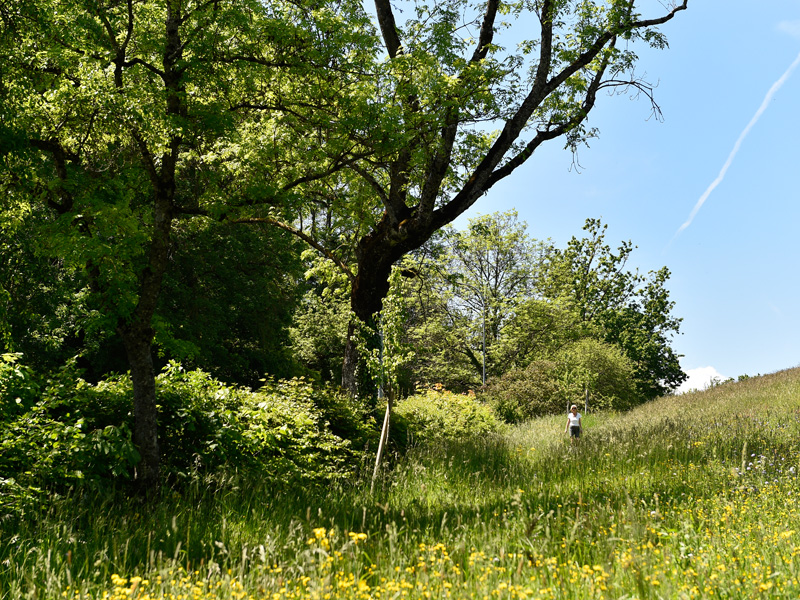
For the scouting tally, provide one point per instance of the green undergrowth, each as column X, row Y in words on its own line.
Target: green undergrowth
column 692, row 496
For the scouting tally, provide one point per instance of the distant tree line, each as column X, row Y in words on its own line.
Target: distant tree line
column 489, row 309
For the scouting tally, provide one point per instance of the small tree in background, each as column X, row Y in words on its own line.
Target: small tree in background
column 597, row 373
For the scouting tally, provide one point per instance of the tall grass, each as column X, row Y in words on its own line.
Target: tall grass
column 692, row 496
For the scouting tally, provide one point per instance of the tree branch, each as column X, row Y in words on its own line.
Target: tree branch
column 374, row 183
column 146, row 65
column 659, row 20
column 383, row 9
column 442, row 155
column 338, row 164
column 147, row 158
column 60, row 158
column 487, row 31
column 303, row 236
column 560, row 129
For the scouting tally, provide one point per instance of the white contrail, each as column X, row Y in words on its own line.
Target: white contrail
column 772, row 91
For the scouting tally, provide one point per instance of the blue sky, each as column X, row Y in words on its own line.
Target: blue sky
column 735, row 264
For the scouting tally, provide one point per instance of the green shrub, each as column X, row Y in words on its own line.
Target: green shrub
column 287, row 431
column 549, row 386
column 283, row 430
column 18, row 387
column 77, row 434
column 199, row 423
column 72, row 434
column 523, row 394
column 441, row 415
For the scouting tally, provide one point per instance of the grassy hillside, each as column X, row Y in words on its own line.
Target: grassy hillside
column 694, row 496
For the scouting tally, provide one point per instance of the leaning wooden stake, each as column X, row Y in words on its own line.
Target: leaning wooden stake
column 384, row 438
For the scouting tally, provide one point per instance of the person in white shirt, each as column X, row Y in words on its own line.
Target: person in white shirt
column 573, row 423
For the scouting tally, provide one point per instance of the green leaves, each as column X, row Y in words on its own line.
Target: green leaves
column 437, row 415
column 630, row 310
column 388, row 356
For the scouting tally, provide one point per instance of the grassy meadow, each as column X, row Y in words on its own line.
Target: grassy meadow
column 692, row 496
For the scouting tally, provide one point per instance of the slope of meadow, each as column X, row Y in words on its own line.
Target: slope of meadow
column 693, row 496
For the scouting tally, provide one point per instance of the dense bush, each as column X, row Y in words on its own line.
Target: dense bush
column 436, row 414
column 64, row 433
column 549, row 386
column 288, row 432
column 523, row 394
column 77, row 434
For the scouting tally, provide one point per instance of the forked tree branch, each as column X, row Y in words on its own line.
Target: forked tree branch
column 485, row 175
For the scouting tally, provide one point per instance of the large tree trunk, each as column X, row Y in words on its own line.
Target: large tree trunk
column 137, row 335
column 376, row 253
column 138, row 332
column 138, row 345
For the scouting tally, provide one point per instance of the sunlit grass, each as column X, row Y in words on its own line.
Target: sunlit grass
column 692, row 496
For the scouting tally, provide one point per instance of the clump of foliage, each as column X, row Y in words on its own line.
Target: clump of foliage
column 523, row 394
column 18, row 386
column 438, row 414
column 57, row 433
column 550, row 385
column 63, row 432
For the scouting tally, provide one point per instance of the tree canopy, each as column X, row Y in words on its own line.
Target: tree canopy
column 459, row 109
column 136, row 136
column 123, row 118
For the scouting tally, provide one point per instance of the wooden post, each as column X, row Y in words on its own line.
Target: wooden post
column 384, row 439
column 386, row 417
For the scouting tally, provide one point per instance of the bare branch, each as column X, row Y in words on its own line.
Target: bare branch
column 659, row 20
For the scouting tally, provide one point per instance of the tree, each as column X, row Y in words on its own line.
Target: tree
column 440, row 86
column 438, row 332
column 619, row 306
column 468, row 287
column 41, row 303
column 599, row 372
column 644, row 329
column 538, row 328
column 493, row 266
column 121, row 117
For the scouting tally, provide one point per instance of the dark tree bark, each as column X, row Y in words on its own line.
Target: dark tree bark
column 145, row 433
column 137, row 335
column 408, row 223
